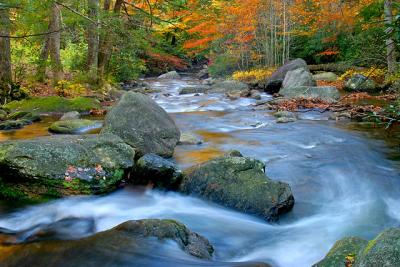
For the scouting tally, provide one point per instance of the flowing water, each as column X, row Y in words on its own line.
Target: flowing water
column 342, row 179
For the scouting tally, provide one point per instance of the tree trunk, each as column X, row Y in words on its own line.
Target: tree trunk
column 106, row 44
column 93, row 39
column 44, row 54
column 5, row 53
column 55, row 43
column 390, row 45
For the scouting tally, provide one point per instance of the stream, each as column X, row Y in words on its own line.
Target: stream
column 343, row 180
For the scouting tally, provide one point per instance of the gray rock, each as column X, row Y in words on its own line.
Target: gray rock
column 203, row 74
column 123, row 245
column 198, row 89
column 75, row 126
column 153, row 169
column 72, row 115
column 285, row 116
column 241, row 184
column 298, row 77
column 83, row 164
column 170, row 75
column 360, row 83
column 274, row 82
column 227, row 86
column 143, row 124
column 325, row 93
column 189, row 139
column 326, row 76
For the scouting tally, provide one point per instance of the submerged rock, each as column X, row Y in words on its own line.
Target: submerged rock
column 75, row 126
column 189, row 139
column 198, row 89
column 326, row 93
column 123, row 245
column 298, row 77
column 64, row 165
column 239, row 183
column 153, row 169
column 384, row 250
column 274, row 82
column 143, row 124
column 170, row 75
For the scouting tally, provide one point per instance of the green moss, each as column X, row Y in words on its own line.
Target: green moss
column 370, row 245
column 54, row 104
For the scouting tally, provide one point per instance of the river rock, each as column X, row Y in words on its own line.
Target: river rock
column 170, row 75
column 274, row 82
column 155, row 170
column 203, row 74
column 72, row 115
column 3, row 114
column 285, row 116
column 189, row 139
column 381, row 251
column 347, row 247
column 123, row 245
column 326, row 93
column 298, row 77
column 326, row 76
column 360, row 83
column 64, row 165
column 75, row 126
column 198, row 89
column 227, row 86
column 143, row 124
column 241, row 184
column 18, row 120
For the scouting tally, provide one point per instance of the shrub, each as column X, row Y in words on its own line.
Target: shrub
column 254, row 75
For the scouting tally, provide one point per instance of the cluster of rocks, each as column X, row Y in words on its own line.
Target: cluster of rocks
column 16, row 120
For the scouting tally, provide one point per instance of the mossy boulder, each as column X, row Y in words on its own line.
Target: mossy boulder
column 239, row 183
column 124, row 245
column 326, row 93
column 75, row 126
column 18, row 120
column 64, row 165
column 54, row 104
column 143, row 124
column 344, row 249
column 153, row 169
column 360, row 83
column 384, row 251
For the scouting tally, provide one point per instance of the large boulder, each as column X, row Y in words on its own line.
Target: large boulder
column 63, row 165
column 128, row 244
column 384, row 250
column 326, row 76
column 75, row 126
column 170, row 75
column 227, row 86
column 274, row 82
column 298, row 77
column 155, row 170
column 239, row 183
column 326, row 93
column 360, row 83
column 143, row 124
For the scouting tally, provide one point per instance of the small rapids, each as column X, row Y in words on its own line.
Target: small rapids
column 342, row 181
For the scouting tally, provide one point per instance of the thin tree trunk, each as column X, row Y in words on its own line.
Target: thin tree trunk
column 44, row 54
column 5, row 53
column 106, row 44
column 390, row 45
column 55, row 43
column 93, row 39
